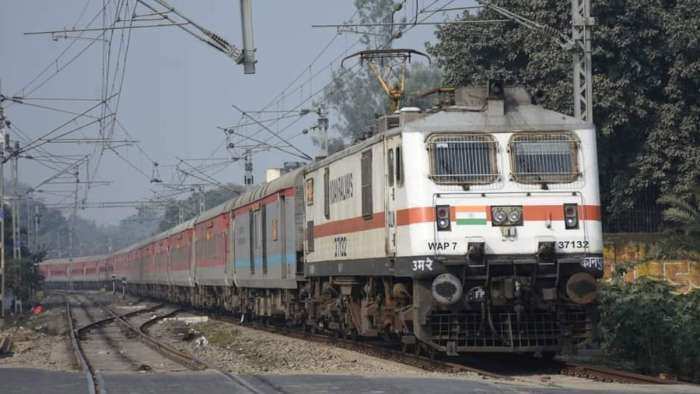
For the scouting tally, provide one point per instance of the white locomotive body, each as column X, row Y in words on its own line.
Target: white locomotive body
column 475, row 218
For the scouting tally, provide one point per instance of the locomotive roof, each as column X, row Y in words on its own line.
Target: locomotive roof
column 519, row 116
column 522, row 117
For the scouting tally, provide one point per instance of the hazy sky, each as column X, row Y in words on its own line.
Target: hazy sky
column 176, row 90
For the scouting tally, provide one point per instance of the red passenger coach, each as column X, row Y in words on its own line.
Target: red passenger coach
column 179, row 269
column 211, row 232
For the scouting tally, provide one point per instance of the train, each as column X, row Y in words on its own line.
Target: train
column 471, row 226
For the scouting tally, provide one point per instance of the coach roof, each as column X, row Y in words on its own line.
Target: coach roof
column 286, row 181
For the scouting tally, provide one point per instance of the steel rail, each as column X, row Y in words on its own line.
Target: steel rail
column 610, row 375
column 185, row 359
column 85, row 366
column 143, row 328
column 96, row 323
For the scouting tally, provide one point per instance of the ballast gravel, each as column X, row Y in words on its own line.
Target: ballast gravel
column 242, row 350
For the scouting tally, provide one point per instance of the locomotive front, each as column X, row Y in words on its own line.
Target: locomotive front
column 503, row 239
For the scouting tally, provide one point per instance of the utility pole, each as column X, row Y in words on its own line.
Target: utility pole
column 322, row 126
column 59, row 245
column 248, row 166
column 2, row 209
column 201, row 199
column 16, row 241
column 73, row 217
column 36, row 227
column 583, row 65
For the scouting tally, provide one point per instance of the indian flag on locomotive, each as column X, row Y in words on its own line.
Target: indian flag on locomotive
column 470, row 215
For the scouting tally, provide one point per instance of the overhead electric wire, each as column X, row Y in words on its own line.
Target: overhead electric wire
column 284, row 93
column 46, row 107
column 57, row 58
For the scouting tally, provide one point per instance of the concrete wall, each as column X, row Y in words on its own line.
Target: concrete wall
column 638, row 248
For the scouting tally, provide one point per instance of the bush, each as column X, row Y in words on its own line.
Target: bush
column 646, row 323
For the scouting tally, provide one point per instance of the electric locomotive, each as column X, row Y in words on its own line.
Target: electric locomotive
column 472, row 228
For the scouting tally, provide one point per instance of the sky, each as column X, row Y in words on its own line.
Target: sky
column 176, row 90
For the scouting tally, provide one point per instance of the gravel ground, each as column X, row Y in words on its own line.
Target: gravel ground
column 40, row 341
column 243, row 350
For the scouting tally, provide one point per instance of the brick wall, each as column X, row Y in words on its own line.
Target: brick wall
column 637, row 248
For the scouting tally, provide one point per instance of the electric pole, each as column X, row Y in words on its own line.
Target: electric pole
column 73, row 217
column 322, row 126
column 2, row 209
column 36, row 227
column 583, row 65
column 248, row 166
column 16, row 241
column 201, row 199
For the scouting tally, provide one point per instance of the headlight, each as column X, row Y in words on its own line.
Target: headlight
column 507, row 216
column 499, row 216
column 515, row 216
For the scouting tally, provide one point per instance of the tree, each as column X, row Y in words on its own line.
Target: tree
column 646, row 79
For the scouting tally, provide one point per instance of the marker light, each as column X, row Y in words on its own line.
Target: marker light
column 571, row 216
column 442, row 217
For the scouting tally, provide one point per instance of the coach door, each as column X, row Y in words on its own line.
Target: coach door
column 394, row 180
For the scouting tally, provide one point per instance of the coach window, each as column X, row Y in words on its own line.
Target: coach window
column 263, row 236
column 326, row 193
column 390, row 166
column 310, row 236
column 309, row 191
column 399, row 167
column 544, row 157
column 251, row 240
column 366, row 178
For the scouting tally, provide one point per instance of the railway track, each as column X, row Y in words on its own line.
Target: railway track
column 97, row 346
column 139, row 330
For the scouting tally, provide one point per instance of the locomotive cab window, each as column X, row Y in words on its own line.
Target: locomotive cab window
column 462, row 159
column 544, row 157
